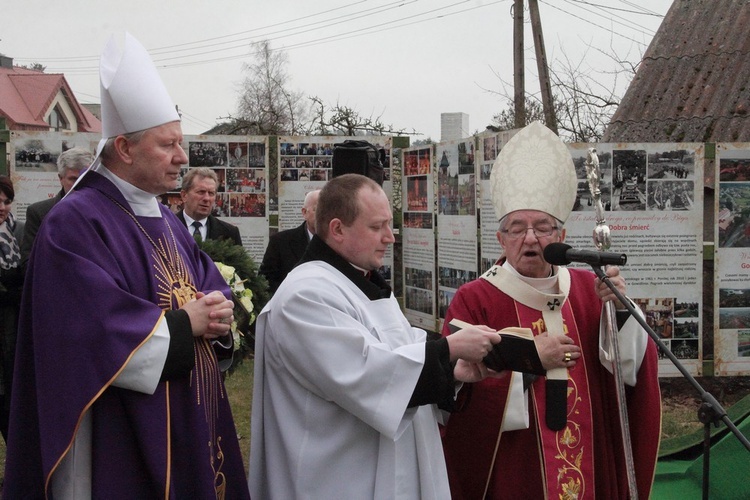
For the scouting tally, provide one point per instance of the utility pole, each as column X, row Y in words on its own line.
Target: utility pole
column 519, row 85
column 541, row 63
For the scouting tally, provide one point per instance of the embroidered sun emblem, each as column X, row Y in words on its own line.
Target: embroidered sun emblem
column 174, row 282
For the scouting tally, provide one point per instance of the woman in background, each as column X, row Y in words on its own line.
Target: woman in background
column 11, row 284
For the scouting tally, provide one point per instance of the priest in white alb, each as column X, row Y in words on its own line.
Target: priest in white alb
column 346, row 392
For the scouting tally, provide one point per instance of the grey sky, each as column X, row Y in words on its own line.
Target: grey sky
column 406, row 61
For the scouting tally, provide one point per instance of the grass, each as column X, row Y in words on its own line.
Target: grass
column 240, row 390
column 679, row 420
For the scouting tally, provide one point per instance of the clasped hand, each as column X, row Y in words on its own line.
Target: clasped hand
column 210, row 314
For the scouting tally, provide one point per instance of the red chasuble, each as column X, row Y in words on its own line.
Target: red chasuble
column 584, row 459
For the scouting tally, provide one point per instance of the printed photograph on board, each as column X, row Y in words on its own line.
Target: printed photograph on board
column 734, row 214
column 629, row 179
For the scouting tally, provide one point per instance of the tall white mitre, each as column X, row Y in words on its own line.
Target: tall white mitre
column 133, row 96
column 534, row 171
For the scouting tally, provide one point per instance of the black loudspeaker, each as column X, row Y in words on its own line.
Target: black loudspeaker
column 358, row 157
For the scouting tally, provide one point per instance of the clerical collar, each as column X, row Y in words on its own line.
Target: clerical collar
column 375, row 288
column 142, row 203
column 364, row 272
column 544, row 285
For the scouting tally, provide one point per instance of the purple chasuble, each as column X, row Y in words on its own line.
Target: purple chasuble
column 99, row 282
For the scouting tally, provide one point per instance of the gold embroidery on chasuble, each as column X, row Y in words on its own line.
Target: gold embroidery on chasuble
column 566, row 455
column 175, row 288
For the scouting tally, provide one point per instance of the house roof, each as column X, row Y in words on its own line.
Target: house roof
column 26, row 95
column 693, row 84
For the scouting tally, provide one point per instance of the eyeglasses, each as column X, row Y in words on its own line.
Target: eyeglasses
column 540, row 231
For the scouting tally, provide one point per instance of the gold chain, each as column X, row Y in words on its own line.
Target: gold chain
column 175, row 267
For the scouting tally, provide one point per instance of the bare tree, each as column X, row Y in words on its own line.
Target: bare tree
column 506, row 119
column 584, row 101
column 34, row 66
column 344, row 120
column 267, row 106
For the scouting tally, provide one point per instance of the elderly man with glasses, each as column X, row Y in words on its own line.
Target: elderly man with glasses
column 558, row 435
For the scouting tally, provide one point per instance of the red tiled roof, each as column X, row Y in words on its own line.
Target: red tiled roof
column 26, row 95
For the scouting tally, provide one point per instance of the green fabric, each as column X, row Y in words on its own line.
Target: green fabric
column 730, row 463
column 693, row 442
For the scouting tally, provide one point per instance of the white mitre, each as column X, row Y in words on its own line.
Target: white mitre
column 133, row 96
column 132, row 93
column 534, row 171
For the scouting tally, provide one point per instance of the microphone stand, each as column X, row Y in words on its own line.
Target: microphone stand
column 710, row 411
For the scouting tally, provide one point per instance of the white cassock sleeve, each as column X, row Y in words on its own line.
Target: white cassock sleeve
column 517, row 410
column 632, row 343
column 144, row 369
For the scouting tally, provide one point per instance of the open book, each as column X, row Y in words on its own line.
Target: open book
column 516, row 351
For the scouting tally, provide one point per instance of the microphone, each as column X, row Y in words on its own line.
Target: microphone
column 560, row 254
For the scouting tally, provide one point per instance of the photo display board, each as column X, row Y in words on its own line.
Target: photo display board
column 653, row 199
column 732, row 270
column 457, row 241
column 305, row 164
column 418, row 237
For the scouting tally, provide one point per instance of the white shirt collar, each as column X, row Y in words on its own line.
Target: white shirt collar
column 142, row 203
column 189, row 220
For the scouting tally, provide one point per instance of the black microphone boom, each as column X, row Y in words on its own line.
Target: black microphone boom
column 560, row 254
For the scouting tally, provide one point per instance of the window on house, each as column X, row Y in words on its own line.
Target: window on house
column 57, row 120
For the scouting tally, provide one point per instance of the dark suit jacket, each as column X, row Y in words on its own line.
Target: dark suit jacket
column 284, row 251
column 34, row 215
column 217, row 229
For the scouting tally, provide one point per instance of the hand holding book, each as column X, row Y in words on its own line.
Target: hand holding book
column 516, row 351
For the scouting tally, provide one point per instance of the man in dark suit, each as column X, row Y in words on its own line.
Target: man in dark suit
column 285, row 248
column 70, row 164
column 198, row 199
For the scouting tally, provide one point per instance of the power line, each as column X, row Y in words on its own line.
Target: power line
column 303, row 30
column 637, row 27
column 327, row 23
column 384, row 26
column 270, row 25
column 195, row 120
column 593, row 23
column 200, row 44
column 373, row 29
column 641, row 11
